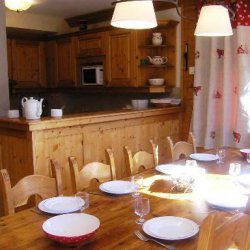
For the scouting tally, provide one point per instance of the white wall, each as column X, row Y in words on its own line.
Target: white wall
column 4, row 86
column 36, row 22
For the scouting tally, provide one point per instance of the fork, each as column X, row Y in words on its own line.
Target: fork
column 145, row 238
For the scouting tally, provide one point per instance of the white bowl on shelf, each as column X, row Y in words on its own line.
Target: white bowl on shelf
column 156, row 81
column 140, row 104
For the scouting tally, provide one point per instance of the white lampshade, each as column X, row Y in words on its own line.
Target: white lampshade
column 18, row 5
column 214, row 20
column 134, row 15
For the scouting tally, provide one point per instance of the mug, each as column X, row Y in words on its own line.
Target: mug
column 13, row 113
column 56, row 113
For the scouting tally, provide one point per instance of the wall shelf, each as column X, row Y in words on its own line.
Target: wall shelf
column 156, row 66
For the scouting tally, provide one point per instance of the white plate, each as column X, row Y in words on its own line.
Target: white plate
column 170, row 169
column 227, row 200
column 117, row 187
column 170, row 228
column 244, row 180
column 61, row 205
column 175, row 170
column 204, row 157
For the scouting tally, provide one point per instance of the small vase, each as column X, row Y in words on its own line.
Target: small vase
column 157, row 39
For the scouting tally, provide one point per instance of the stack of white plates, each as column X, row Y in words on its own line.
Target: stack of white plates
column 170, row 228
column 61, row 205
column 117, row 187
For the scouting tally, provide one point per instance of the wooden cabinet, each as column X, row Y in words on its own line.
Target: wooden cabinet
column 28, row 63
column 93, row 44
column 9, row 54
column 65, row 62
column 121, row 58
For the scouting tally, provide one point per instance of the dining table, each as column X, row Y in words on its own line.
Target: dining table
column 23, row 230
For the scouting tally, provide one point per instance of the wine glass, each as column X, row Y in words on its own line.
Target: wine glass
column 191, row 163
column 221, row 154
column 248, row 158
column 142, row 208
column 83, row 199
column 234, row 169
column 137, row 183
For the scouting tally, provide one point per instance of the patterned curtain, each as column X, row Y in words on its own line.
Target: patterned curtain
column 221, row 113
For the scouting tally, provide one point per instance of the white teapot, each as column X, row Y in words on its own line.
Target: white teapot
column 32, row 108
column 158, row 60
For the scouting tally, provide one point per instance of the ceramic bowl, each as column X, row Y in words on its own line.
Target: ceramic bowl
column 71, row 229
column 140, row 104
column 156, row 81
column 244, row 152
column 56, row 113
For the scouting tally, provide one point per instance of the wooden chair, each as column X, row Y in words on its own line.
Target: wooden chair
column 141, row 160
column 91, row 173
column 222, row 231
column 181, row 148
column 17, row 196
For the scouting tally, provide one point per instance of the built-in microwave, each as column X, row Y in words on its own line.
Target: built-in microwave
column 92, row 75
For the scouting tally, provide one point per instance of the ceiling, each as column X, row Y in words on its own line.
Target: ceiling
column 68, row 8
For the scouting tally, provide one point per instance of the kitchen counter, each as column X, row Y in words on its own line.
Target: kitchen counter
column 26, row 147
column 83, row 118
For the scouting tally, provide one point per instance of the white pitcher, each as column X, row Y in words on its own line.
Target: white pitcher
column 32, row 108
column 157, row 39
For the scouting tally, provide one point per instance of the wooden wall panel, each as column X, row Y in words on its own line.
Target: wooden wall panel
column 188, row 27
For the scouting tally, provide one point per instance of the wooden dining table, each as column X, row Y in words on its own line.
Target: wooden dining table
column 23, row 230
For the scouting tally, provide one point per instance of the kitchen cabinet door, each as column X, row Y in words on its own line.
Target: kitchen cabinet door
column 121, row 59
column 93, row 44
column 28, row 63
column 9, row 55
column 65, row 62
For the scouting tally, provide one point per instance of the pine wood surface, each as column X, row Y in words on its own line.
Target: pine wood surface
column 23, row 230
column 28, row 146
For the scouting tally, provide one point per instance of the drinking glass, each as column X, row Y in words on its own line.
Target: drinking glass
column 221, row 154
column 234, row 169
column 248, row 158
column 142, row 208
column 191, row 163
column 83, row 198
column 137, row 184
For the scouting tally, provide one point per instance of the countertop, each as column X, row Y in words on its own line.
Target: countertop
column 84, row 118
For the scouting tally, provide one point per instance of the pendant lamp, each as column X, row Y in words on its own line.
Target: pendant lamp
column 18, row 5
column 134, row 15
column 213, row 21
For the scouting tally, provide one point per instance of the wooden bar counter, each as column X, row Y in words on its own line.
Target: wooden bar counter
column 26, row 147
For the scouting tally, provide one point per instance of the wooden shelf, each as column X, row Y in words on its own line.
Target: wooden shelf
column 156, row 66
column 150, row 46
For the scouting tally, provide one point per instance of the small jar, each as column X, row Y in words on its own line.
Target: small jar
column 157, row 39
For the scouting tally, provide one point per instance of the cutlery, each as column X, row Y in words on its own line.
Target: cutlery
column 145, row 238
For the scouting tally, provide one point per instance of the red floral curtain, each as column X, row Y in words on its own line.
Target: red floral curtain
column 221, row 114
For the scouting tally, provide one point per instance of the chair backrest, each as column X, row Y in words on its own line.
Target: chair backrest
column 221, row 231
column 91, row 173
column 141, row 160
column 43, row 186
column 181, row 148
